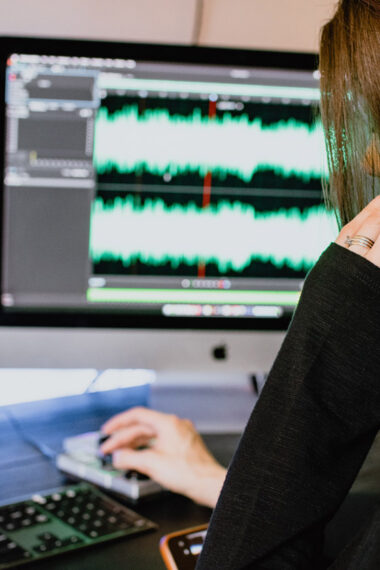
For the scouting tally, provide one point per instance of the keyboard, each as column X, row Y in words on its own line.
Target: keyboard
column 62, row 520
column 81, row 460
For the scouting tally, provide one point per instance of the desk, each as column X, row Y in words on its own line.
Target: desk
column 24, row 470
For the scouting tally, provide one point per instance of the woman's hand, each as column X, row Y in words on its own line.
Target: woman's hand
column 367, row 224
column 175, row 455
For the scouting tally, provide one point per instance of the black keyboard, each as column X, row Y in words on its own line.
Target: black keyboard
column 52, row 523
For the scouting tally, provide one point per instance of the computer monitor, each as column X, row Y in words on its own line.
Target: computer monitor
column 156, row 190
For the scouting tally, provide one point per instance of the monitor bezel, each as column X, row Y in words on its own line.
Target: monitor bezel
column 173, row 53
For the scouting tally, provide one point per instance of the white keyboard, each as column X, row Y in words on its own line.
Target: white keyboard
column 81, row 460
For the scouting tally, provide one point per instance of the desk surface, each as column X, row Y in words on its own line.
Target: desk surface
column 24, row 470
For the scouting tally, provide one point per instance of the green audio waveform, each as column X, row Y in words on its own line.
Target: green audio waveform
column 159, row 143
column 230, row 234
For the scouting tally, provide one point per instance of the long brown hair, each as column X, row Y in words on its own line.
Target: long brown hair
column 350, row 105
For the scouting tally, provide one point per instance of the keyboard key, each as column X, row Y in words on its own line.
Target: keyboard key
column 41, row 548
column 30, row 511
column 41, row 519
column 83, row 527
column 123, row 525
column 10, row 526
column 72, row 540
column 46, row 536
column 104, row 530
column 93, row 533
column 139, row 523
column 39, row 499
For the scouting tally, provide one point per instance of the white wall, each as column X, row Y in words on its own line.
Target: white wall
column 270, row 24
column 133, row 20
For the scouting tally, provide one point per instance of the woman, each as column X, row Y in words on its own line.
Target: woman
column 320, row 409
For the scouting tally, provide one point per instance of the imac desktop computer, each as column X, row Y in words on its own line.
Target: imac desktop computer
column 160, row 205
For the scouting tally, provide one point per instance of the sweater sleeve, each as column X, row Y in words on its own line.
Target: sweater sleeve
column 311, row 429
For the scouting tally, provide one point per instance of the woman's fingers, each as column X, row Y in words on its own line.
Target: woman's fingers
column 141, row 461
column 133, row 436
column 353, row 227
column 373, row 254
column 366, row 225
column 133, row 416
column 370, row 228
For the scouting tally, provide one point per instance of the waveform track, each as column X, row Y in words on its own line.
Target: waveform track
column 230, row 234
column 159, row 143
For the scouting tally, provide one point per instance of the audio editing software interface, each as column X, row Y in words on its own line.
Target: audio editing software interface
column 159, row 188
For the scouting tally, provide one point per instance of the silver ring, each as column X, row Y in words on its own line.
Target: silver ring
column 359, row 240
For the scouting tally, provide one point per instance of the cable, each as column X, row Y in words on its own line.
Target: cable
column 42, row 448
column 198, row 19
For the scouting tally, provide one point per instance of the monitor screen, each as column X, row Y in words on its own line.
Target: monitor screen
column 158, row 185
